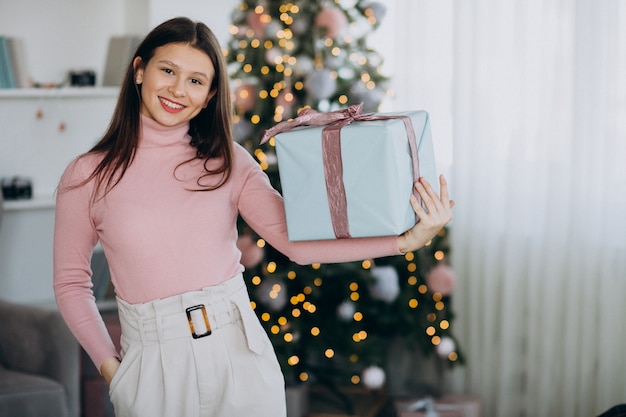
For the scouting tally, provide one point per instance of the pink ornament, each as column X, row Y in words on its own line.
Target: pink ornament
column 251, row 253
column 441, row 279
column 255, row 21
column 286, row 99
column 333, row 20
column 245, row 97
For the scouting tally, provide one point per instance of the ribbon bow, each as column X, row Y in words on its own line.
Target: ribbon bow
column 331, row 152
column 311, row 117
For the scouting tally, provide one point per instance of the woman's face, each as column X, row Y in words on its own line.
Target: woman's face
column 175, row 83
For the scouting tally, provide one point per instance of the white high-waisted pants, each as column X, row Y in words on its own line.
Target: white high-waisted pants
column 165, row 371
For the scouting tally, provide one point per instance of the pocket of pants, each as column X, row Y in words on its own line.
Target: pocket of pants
column 121, row 373
column 254, row 332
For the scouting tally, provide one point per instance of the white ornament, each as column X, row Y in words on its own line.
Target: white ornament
column 346, row 310
column 371, row 99
column 272, row 292
column 242, row 130
column 272, row 29
column 299, row 26
column 348, row 4
column 386, row 286
column 359, row 28
column 320, row 84
column 445, row 347
column 304, row 65
column 272, row 54
column 346, row 72
column 373, row 377
column 378, row 9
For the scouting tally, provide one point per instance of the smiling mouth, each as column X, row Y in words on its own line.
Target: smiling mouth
column 170, row 104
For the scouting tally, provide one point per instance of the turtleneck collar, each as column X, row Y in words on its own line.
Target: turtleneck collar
column 155, row 135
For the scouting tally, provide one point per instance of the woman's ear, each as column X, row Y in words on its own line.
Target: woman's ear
column 209, row 97
column 138, row 66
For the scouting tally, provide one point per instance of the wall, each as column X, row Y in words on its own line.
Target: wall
column 61, row 35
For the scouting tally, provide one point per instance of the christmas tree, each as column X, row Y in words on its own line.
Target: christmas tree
column 329, row 323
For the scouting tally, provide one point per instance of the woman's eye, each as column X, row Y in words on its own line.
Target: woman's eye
column 167, row 71
column 196, row 81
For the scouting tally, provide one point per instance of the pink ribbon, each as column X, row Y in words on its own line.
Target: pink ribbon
column 331, row 152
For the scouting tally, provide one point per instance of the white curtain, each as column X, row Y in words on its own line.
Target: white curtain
column 536, row 98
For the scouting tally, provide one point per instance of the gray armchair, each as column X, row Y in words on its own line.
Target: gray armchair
column 39, row 363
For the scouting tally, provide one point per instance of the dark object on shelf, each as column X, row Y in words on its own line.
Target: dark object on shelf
column 16, row 188
column 121, row 49
column 83, row 78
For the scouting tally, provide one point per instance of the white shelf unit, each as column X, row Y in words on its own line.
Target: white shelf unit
column 61, row 92
column 41, row 131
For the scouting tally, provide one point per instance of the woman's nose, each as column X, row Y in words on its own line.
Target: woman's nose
column 177, row 88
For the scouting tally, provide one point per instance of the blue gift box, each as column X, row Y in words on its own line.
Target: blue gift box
column 377, row 176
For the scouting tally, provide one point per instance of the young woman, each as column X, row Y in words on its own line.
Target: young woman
column 161, row 192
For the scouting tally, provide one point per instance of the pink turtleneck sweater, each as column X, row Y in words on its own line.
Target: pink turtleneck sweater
column 162, row 239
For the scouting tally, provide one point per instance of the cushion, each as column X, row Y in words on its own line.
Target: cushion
column 25, row 395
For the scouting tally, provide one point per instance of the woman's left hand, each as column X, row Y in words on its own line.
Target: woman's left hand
column 433, row 218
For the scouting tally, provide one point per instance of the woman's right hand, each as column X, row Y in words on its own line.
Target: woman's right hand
column 433, row 218
column 109, row 368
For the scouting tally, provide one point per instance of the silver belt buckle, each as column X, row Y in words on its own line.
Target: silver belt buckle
column 198, row 321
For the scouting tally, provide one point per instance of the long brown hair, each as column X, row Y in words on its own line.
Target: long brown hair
column 210, row 130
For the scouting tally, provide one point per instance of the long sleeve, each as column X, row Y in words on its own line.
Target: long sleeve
column 74, row 239
column 262, row 208
column 161, row 237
